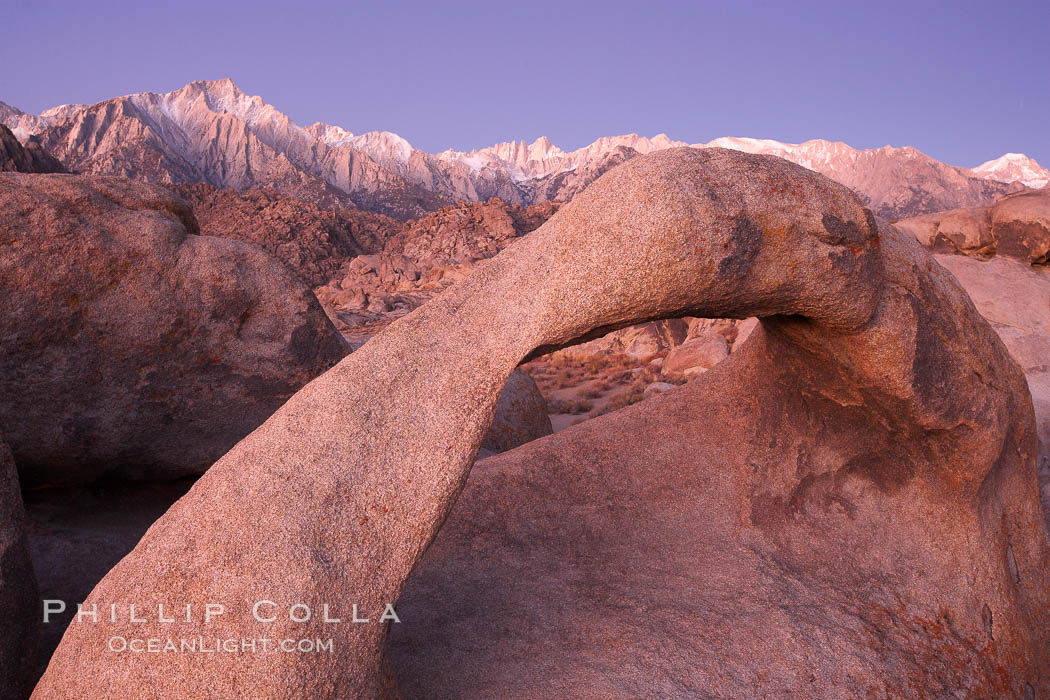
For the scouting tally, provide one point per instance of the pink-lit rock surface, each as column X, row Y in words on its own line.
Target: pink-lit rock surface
column 846, row 505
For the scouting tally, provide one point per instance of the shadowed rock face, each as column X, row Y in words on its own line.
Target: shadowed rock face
column 130, row 347
column 19, row 603
column 851, row 493
column 521, row 415
column 28, row 159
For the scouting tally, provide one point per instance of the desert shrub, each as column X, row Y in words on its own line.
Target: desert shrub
column 592, row 392
column 631, row 395
column 597, row 364
column 580, row 406
column 573, row 406
column 597, row 388
column 650, row 374
column 565, row 378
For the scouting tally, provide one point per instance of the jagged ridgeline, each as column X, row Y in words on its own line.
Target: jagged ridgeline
column 212, row 132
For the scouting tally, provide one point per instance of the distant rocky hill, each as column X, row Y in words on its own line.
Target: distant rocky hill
column 30, row 158
column 312, row 241
column 364, row 267
column 212, row 132
column 422, row 259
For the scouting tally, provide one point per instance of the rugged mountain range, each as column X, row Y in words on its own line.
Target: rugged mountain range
column 894, row 182
column 213, row 132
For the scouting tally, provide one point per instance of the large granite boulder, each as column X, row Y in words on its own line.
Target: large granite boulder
column 1015, row 298
column 19, row 602
column 521, row 415
column 847, row 505
column 1021, row 225
column 1017, row 226
column 130, row 346
column 696, row 355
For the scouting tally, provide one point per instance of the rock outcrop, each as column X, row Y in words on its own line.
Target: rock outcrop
column 466, row 232
column 19, row 602
column 425, row 257
column 846, row 505
column 521, row 415
column 758, row 532
column 638, row 342
column 129, row 346
column 1015, row 299
column 312, row 241
column 696, row 355
column 1017, row 226
column 28, row 159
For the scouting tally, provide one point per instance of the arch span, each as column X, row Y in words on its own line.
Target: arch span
column 874, row 394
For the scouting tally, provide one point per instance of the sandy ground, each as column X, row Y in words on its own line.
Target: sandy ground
column 579, row 389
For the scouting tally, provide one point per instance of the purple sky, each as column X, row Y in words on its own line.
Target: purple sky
column 961, row 81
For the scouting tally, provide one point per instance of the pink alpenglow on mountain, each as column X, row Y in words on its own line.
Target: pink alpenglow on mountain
column 1015, row 167
column 211, row 131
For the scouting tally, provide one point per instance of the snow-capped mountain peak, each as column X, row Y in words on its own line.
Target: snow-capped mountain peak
column 382, row 146
column 224, row 96
column 1015, row 167
column 329, row 134
column 748, row 145
column 213, row 131
column 524, row 161
column 21, row 124
column 60, row 112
